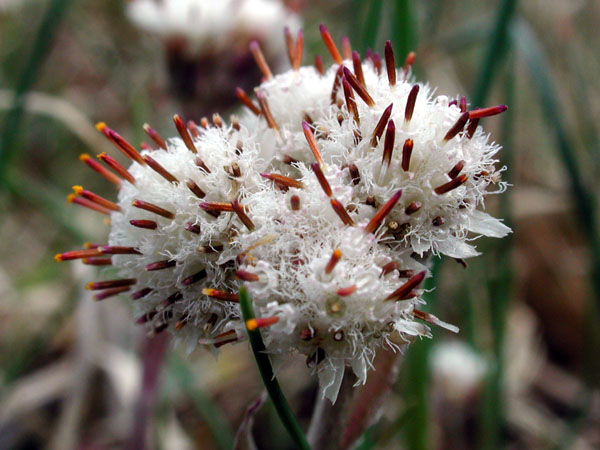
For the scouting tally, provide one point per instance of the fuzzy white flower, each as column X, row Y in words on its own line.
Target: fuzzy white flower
column 299, row 201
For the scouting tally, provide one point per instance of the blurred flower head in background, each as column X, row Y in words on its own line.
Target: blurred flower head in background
column 314, row 198
column 206, row 44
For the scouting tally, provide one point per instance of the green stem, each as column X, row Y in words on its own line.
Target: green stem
column 494, row 53
column 266, row 372
column 418, row 425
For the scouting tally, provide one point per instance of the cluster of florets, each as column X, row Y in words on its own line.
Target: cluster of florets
column 319, row 198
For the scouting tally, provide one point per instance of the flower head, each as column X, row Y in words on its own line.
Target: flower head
column 317, row 199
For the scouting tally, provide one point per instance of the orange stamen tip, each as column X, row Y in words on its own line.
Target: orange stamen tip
column 77, row 189
column 84, row 157
column 70, row 198
column 251, row 324
column 58, row 257
column 209, row 292
column 89, row 286
column 100, row 126
column 337, row 253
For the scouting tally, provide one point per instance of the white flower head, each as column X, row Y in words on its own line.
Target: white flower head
column 313, row 201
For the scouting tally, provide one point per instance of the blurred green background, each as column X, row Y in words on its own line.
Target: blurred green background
column 523, row 372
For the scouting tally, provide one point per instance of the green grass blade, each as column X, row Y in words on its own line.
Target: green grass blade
column 494, row 53
column 365, row 34
column 266, row 372
column 41, row 47
column 500, row 289
column 403, row 26
column 213, row 416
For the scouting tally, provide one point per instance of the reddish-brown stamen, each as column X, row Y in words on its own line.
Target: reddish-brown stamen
column 341, row 212
column 192, row 227
column 346, row 47
column 184, row 133
column 295, row 203
column 390, row 65
column 312, row 142
column 153, row 208
column 216, row 206
column 406, row 154
column 487, row 112
column 99, row 285
column 221, row 295
column 328, row 40
column 79, row 191
column 297, row 62
column 118, row 250
column 153, row 134
column 452, row 184
column 354, row 173
column 357, row 65
column 344, row 292
column 198, row 161
column 283, row 180
column 246, row 101
column 350, row 101
column 388, row 143
column 154, row 165
column 146, row 224
column 77, row 254
column 472, row 127
column 456, row 169
column 377, row 219
column 462, row 104
column 120, row 142
column 457, row 127
column 321, row 178
column 173, row 298
column 217, row 120
column 335, row 258
column 193, row 128
column 141, row 293
column 95, row 165
column 376, row 62
column 358, row 87
column 114, row 164
column 239, row 210
column 337, row 82
column 71, row 198
column 409, row 61
column 111, row 292
column 244, row 275
column 289, row 43
column 205, row 249
column 410, row 103
column 147, row 317
column 404, row 291
column 192, row 186
column 438, row 221
column 383, row 120
column 261, row 322
column 159, row 265
column 413, row 208
column 266, row 111
column 319, row 64
column 261, row 62
column 97, row 261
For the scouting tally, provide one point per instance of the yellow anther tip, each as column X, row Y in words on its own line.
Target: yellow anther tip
column 84, row 157
column 101, row 126
column 58, row 257
column 77, row 189
column 251, row 324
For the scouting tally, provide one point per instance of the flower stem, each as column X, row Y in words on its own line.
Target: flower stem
column 266, row 372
